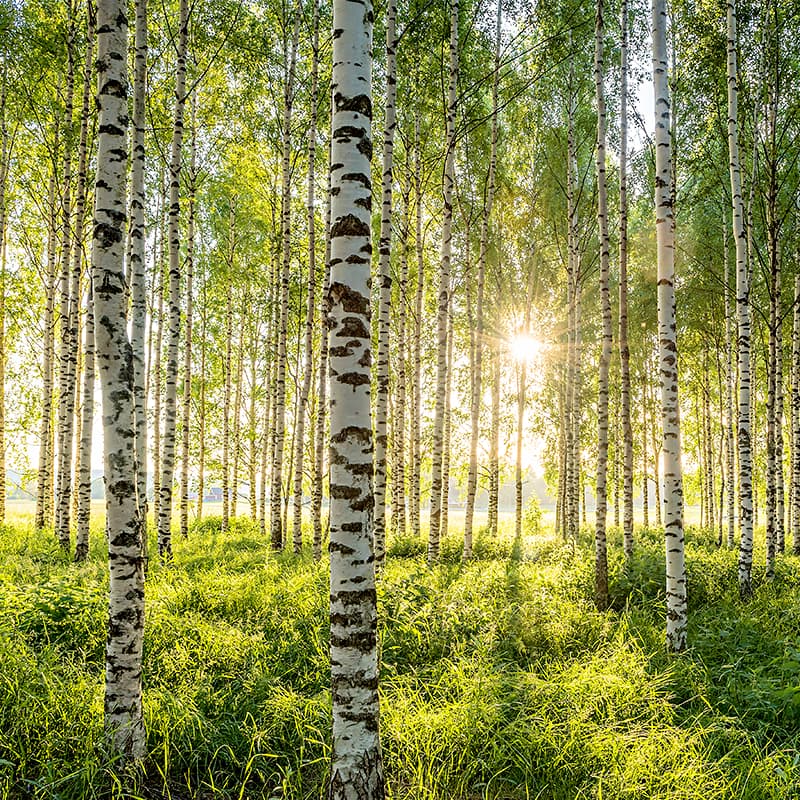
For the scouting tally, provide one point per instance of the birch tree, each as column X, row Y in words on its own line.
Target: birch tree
column 137, row 256
column 443, row 292
column 742, row 315
column 624, row 349
column 357, row 764
column 477, row 378
column 308, row 365
column 668, row 350
column 276, row 485
column 173, row 342
column 385, row 284
column 123, row 687
column 601, row 559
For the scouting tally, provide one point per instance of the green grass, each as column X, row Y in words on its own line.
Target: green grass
column 499, row 678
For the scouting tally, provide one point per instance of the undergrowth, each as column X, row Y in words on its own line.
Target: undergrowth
column 499, row 678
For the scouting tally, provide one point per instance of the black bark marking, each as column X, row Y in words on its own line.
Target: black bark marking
column 349, row 225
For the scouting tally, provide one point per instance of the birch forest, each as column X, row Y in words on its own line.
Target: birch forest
column 399, row 401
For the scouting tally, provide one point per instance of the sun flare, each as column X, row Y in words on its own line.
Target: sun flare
column 524, row 347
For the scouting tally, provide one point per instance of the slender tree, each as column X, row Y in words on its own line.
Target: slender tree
column 601, row 559
column 137, row 236
column 67, row 350
column 742, row 315
column 44, row 483
column 357, row 764
column 276, row 486
column 174, row 336
column 443, row 292
column 795, row 496
column 416, row 348
column 477, row 377
column 385, row 284
column 624, row 349
column 85, row 449
column 123, row 689
column 322, row 386
column 187, row 345
column 668, row 350
column 308, row 363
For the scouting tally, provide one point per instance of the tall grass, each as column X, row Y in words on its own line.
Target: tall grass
column 499, row 678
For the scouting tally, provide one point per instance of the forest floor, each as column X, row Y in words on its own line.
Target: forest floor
column 499, row 678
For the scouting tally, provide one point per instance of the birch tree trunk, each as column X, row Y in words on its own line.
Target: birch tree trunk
column 494, row 449
column 137, row 258
column 66, row 388
column 237, row 419
column 44, row 483
column 769, row 504
column 443, row 293
column 477, row 378
column 252, row 421
column 226, row 409
column 308, row 365
column 742, row 316
column 357, row 764
column 445, row 513
column 730, row 383
column 522, row 378
column 780, row 493
column 84, row 466
column 187, row 345
column 322, row 385
column 399, row 519
column 201, row 420
column 85, row 449
column 174, row 340
column 416, row 395
column 796, row 420
column 276, row 487
column 645, row 447
column 5, row 158
column 385, row 286
column 668, row 351
column 123, row 688
column 573, row 471
column 156, row 368
column 601, row 558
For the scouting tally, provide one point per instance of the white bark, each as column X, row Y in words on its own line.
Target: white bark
column 730, row 384
column 322, row 386
column 123, row 691
column 443, row 293
column 385, row 285
column 66, row 387
column 137, row 256
column 601, row 558
column 85, row 449
column 276, row 486
column 357, row 764
column 416, row 350
column 624, row 351
column 668, row 350
column 308, row 361
column 795, row 497
column 44, row 482
column 742, row 315
column 187, row 344
column 173, row 342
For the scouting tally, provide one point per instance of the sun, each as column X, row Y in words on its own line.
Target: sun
column 524, row 347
